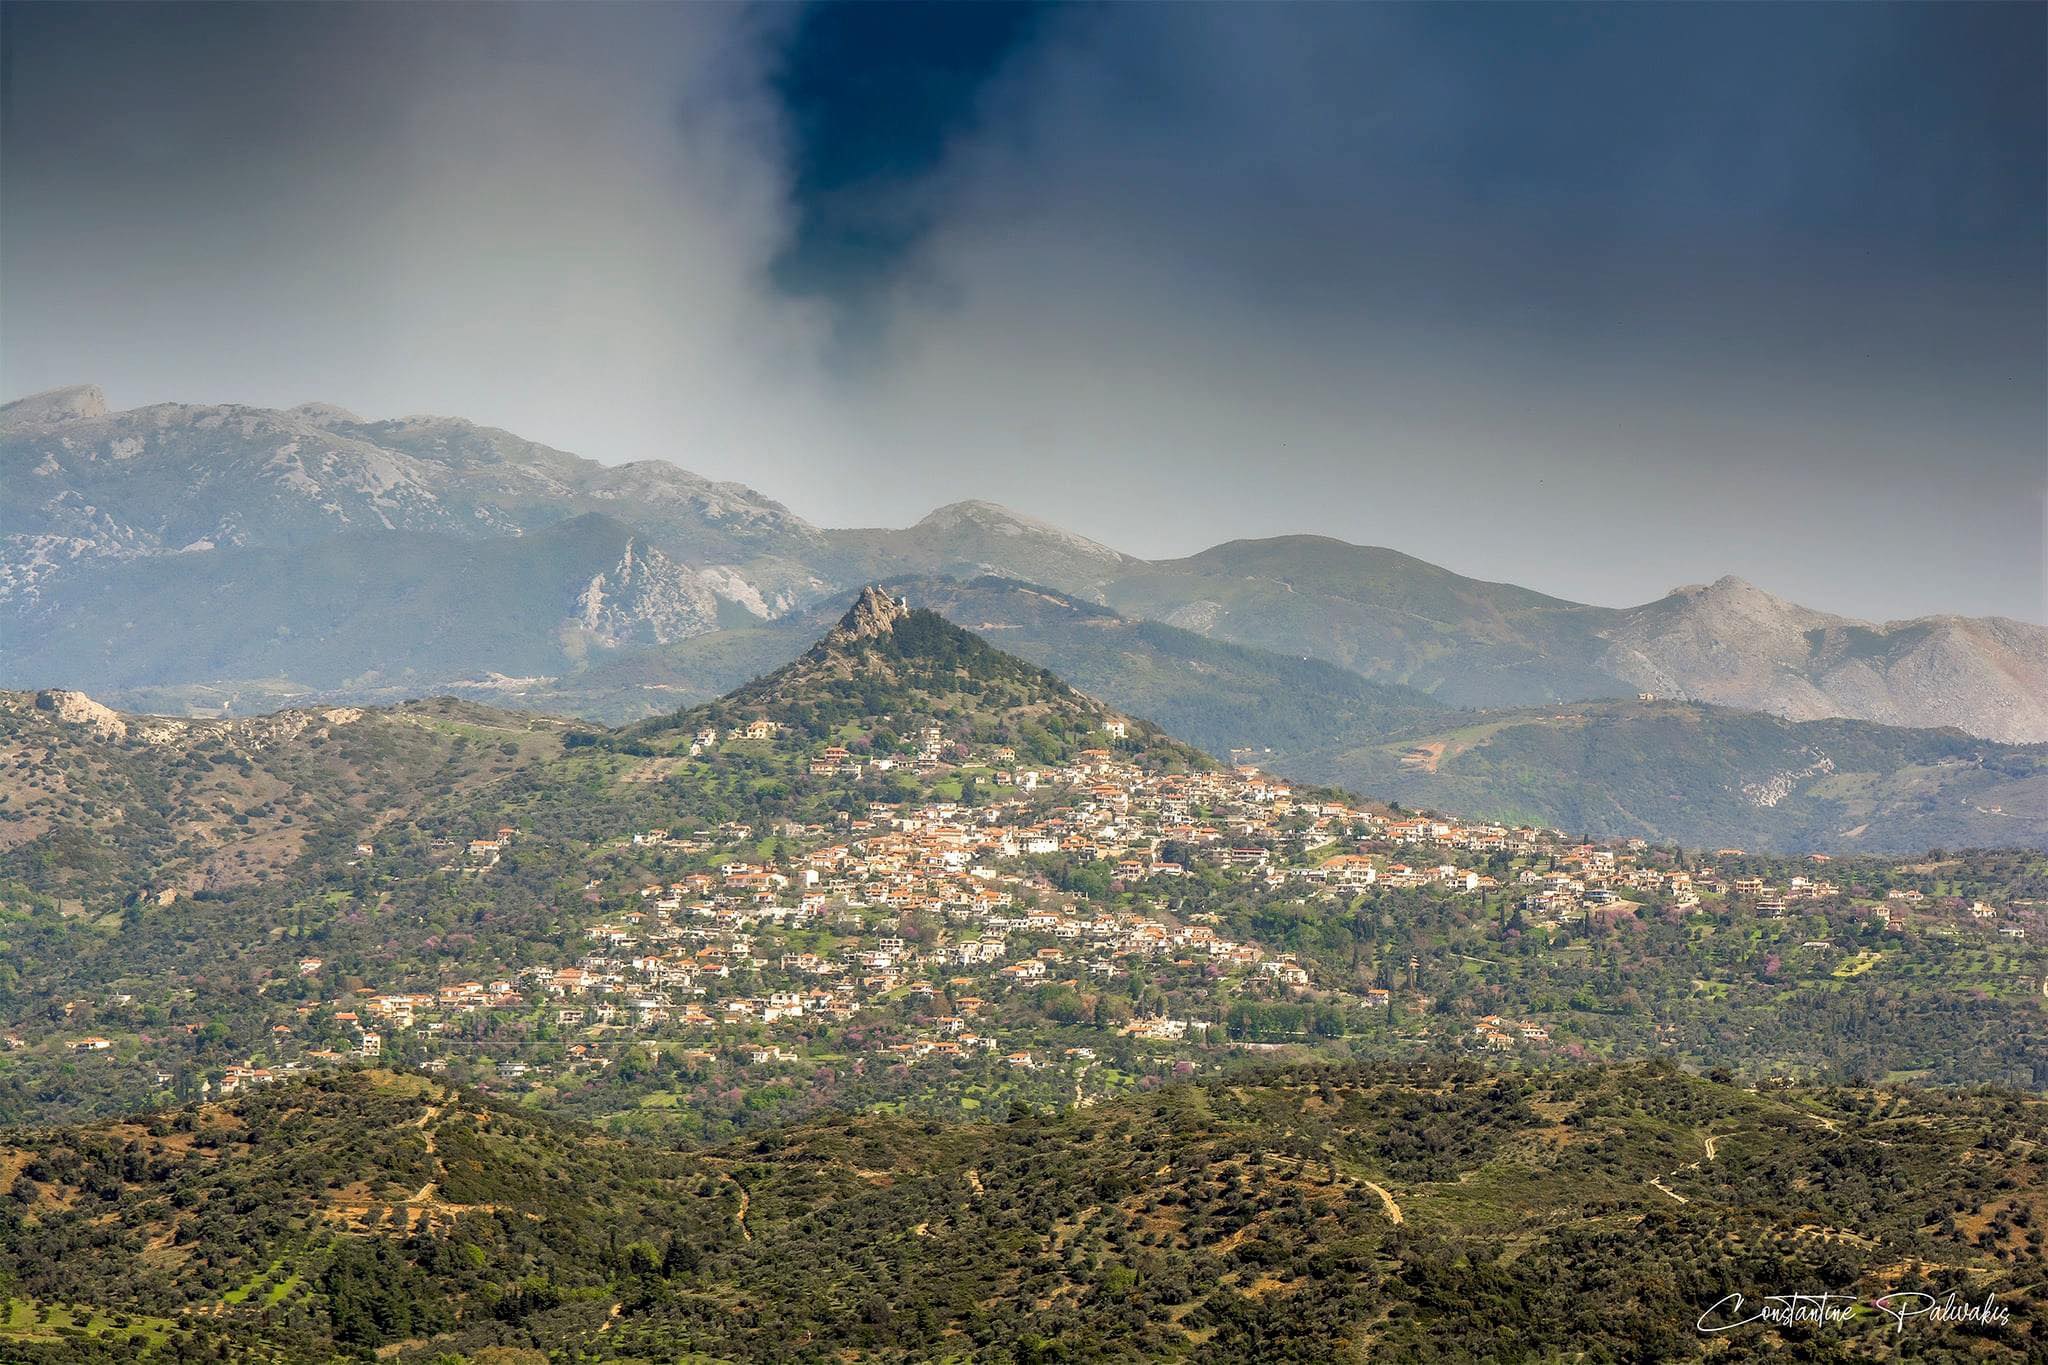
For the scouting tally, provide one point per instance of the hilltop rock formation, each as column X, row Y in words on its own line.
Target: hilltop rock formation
column 75, row 708
column 873, row 613
column 79, row 402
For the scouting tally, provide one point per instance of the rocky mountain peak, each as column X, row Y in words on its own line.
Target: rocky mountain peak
column 1729, row 601
column 1726, row 587
column 874, row 613
column 325, row 415
column 979, row 511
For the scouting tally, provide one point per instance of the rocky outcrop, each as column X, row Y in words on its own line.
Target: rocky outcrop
column 75, row 708
column 645, row 597
column 873, row 613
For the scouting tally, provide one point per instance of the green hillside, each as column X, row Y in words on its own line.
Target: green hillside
column 93, row 803
column 1429, row 1212
column 886, row 668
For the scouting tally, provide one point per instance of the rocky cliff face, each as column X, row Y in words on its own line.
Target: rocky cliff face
column 645, row 598
column 75, row 708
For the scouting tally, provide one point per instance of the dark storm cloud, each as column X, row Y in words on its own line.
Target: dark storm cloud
column 873, row 95
column 1503, row 279
column 1598, row 298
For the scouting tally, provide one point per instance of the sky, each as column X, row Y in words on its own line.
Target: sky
column 1600, row 299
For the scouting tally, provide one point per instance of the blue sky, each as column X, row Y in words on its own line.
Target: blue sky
column 1596, row 298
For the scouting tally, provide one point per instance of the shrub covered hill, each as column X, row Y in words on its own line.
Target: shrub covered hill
column 886, row 665
column 1427, row 1212
column 94, row 801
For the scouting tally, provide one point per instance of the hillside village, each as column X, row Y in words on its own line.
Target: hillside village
column 936, row 932
column 909, row 870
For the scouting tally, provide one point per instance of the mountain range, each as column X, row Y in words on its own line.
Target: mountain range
column 185, row 892
column 230, row 560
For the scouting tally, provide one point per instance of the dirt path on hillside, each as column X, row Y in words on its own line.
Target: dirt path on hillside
column 425, row 1193
column 740, row 1215
column 1387, row 1203
column 1424, row 757
column 1713, row 1146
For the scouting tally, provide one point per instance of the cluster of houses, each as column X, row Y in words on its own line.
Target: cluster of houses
column 712, row 947
column 1496, row 1034
column 947, row 905
column 819, row 936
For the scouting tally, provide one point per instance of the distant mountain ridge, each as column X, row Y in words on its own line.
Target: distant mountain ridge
column 354, row 617
column 969, row 539
column 883, row 670
column 200, row 494
column 1733, row 644
column 80, row 485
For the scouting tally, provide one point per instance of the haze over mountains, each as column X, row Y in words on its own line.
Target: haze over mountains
column 227, row 558
column 88, row 490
